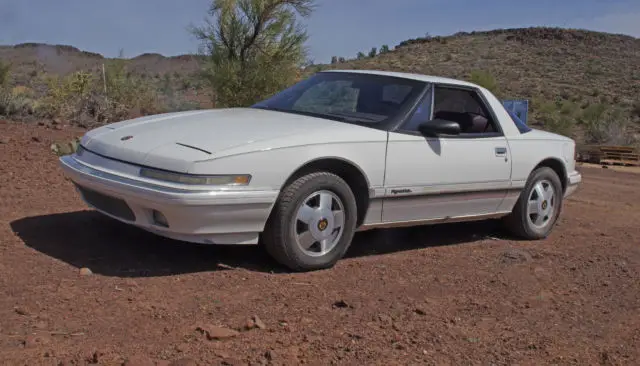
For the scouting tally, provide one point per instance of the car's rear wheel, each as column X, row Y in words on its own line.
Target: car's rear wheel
column 312, row 223
column 538, row 207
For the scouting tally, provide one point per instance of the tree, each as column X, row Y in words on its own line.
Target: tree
column 254, row 48
column 373, row 52
column 384, row 48
column 361, row 55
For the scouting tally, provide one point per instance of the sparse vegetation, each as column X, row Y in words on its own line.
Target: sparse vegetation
column 580, row 83
column 484, row 79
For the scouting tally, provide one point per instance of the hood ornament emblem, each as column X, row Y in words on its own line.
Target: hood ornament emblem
column 125, row 138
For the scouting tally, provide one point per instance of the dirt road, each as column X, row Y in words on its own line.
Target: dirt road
column 441, row 295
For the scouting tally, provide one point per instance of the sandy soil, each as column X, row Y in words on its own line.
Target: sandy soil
column 442, row 295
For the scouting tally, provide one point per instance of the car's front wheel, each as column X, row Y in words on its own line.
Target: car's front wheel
column 312, row 223
column 538, row 207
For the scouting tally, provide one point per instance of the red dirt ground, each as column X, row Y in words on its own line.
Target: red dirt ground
column 441, row 295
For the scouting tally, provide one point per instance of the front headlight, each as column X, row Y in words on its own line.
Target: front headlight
column 226, row 180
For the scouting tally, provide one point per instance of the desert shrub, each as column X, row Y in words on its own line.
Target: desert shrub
column 130, row 91
column 5, row 73
column 253, row 48
column 18, row 101
column 66, row 94
column 485, row 80
column 65, row 147
column 557, row 118
column 607, row 126
column 80, row 97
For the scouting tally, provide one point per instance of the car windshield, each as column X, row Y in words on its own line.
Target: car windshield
column 348, row 97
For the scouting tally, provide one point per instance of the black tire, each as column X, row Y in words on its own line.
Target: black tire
column 518, row 222
column 278, row 237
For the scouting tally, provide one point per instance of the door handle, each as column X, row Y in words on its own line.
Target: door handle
column 501, row 151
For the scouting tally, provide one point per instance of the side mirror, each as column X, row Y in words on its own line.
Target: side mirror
column 437, row 127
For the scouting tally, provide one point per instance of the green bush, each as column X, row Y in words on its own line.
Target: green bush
column 556, row 118
column 485, row 80
column 17, row 102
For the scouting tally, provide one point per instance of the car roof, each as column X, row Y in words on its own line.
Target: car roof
column 406, row 75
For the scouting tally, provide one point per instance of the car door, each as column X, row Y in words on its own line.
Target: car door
column 447, row 176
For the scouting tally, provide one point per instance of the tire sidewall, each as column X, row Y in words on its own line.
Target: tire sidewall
column 541, row 174
column 341, row 189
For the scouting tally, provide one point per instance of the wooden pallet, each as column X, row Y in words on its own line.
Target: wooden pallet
column 609, row 155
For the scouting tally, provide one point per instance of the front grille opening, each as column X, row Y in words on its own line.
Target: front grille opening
column 111, row 205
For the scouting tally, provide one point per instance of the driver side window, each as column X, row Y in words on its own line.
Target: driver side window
column 460, row 105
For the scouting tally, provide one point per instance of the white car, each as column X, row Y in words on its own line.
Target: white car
column 339, row 152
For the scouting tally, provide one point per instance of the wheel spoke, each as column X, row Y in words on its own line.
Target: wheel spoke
column 548, row 193
column 324, row 244
column 306, row 240
column 539, row 188
column 539, row 219
column 533, row 207
column 325, row 201
column 338, row 219
column 305, row 213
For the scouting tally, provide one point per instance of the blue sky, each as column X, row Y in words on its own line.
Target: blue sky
column 337, row 27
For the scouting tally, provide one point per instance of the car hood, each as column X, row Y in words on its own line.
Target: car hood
column 173, row 141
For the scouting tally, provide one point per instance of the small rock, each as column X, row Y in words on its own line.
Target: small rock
column 214, row 332
column 4, row 140
column 516, row 256
column 33, row 341
column 259, row 323
column 341, row 304
column 85, row 271
column 250, row 324
column 183, row 362
column 139, row 360
column 420, row 311
column 36, row 138
column 182, row 348
column 40, row 325
column 21, row 311
column 270, row 355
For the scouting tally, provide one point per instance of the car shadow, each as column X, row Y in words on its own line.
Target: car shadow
column 110, row 248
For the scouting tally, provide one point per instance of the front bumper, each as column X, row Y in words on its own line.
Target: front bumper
column 573, row 181
column 211, row 216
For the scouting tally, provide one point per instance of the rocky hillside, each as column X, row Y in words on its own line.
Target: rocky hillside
column 544, row 65
column 30, row 59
